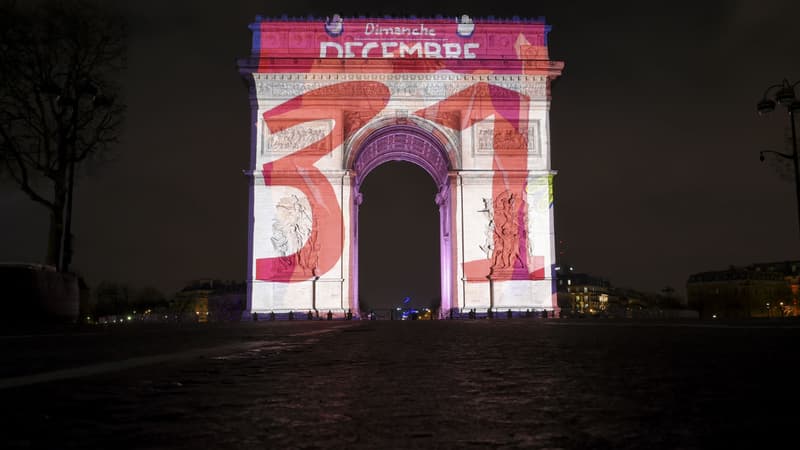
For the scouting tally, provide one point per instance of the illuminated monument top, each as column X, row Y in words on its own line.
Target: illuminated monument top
column 516, row 46
column 467, row 100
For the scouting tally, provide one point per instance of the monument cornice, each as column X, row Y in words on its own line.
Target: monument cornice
column 404, row 85
column 283, row 64
column 321, row 176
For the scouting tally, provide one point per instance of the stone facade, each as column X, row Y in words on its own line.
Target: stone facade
column 756, row 290
column 479, row 127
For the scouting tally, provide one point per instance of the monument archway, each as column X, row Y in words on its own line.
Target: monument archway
column 467, row 100
column 410, row 143
column 398, row 241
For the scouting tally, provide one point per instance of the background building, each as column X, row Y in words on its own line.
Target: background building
column 207, row 300
column 585, row 295
column 757, row 290
column 580, row 293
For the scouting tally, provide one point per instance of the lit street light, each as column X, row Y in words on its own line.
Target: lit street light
column 783, row 94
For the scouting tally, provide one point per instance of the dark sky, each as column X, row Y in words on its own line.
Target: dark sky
column 654, row 134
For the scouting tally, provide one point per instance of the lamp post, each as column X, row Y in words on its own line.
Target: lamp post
column 69, row 99
column 783, row 94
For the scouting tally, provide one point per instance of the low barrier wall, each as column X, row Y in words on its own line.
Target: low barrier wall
column 38, row 293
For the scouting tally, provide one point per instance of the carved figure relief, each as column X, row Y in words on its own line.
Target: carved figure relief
column 442, row 195
column 485, row 139
column 528, row 242
column 488, row 244
column 353, row 121
column 334, row 26
column 292, row 228
column 294, row 138
column 510, row 139
column 488, row 139
column 308, row 257
column 450, row 119
column 506, row 231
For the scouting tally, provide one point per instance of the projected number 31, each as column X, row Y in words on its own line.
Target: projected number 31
column 324, row 244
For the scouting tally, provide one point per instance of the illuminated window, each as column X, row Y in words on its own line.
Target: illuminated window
column 569, row 282
column 585, row 289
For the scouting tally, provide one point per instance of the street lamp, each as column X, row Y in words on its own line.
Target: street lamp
column 783, row 94
column 69, row 100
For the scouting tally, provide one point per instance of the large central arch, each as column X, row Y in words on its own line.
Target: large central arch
column 410, row 143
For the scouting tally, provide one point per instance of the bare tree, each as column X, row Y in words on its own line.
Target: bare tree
column 58, row 102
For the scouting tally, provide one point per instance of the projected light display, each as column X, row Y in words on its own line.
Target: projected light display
column 465, row 99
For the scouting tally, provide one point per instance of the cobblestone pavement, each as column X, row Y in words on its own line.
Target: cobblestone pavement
column 418, row 384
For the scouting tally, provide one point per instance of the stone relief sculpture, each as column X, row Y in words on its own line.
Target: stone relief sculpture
column 485, row 138
column 353, row 120
column 442, row 195
column 502, row 233
column 334, row 26
column 291, row 229
column 450, row 119
column 465, row 26
column 488, row 139
column 506, row 231
column 488, row 243
column 510, row 140
column 294, row 138
column 308, row 257
column 534, row 86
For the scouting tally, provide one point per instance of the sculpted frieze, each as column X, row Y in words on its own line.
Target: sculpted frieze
column 488, row 140
column 420, row 86
column 290, row 139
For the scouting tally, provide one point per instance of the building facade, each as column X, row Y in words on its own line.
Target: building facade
column 581, row 294
column 468, row 101
column 757, row 290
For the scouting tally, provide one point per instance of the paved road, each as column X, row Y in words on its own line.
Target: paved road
column 421, row 384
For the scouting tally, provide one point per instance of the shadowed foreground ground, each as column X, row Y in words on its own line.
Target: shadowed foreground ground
column 421, row 384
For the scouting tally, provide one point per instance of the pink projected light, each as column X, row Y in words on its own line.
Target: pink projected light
column 464, row 99
column 298, row 171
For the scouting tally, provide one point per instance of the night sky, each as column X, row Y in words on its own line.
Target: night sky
column 653, row 127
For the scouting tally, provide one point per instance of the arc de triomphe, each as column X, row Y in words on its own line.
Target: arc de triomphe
column 466, row 100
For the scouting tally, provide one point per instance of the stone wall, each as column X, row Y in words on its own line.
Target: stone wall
column 34, row 293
